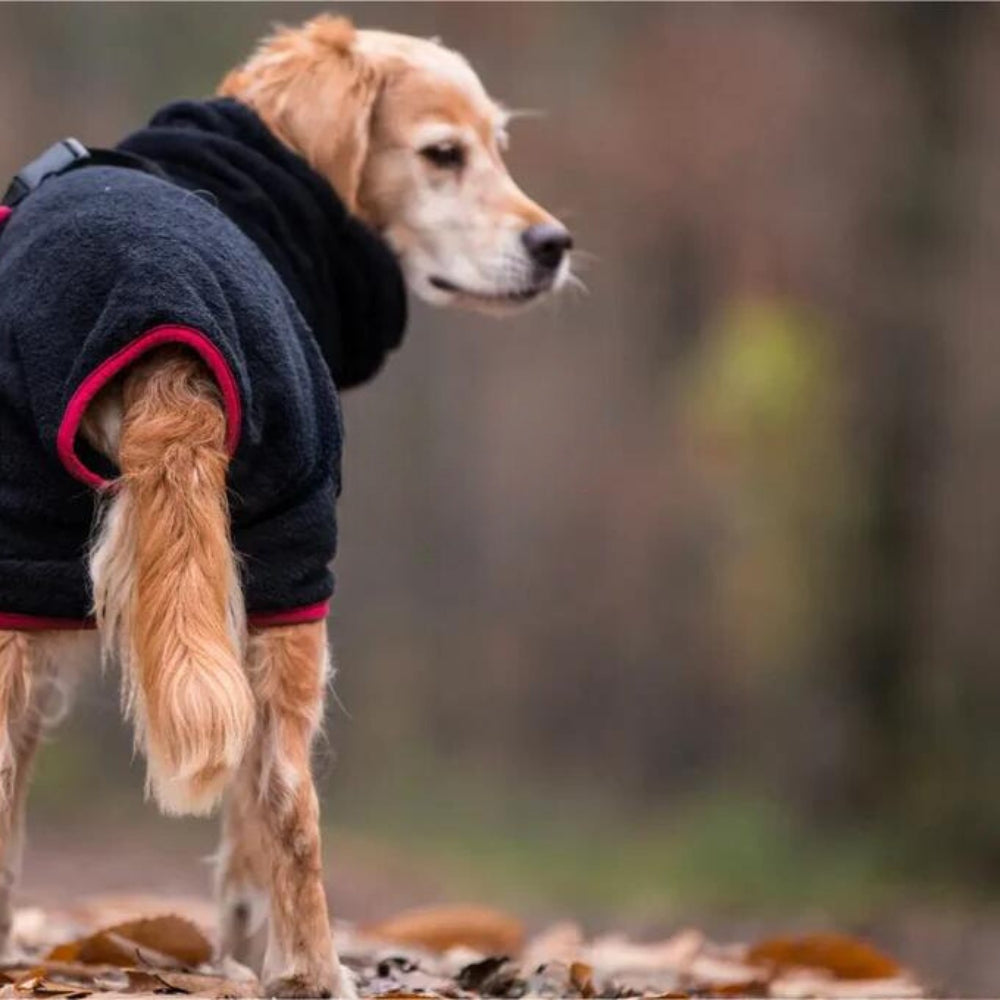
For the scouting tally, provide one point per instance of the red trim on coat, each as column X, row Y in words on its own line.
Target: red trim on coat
column 261, row 619
column 107, row 369
column 66, row 447
column 14, row 620
column 5, row 211
column 293, row 616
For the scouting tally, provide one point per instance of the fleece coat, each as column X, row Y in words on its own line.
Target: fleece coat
column 232, row 246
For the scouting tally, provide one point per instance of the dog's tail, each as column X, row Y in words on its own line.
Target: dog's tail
column 166, row 588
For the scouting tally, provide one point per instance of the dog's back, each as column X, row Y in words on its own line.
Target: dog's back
column 151, row 341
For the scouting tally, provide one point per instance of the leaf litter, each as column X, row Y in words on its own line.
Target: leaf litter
column 108, row 948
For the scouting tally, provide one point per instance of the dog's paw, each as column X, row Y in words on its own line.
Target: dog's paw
column 340, row 985
column 297, row 986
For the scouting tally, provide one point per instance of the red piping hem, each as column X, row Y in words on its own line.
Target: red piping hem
column 293, row 616
column 5, row 211
column 14, row 620
column 261, row 619
column 107, row 369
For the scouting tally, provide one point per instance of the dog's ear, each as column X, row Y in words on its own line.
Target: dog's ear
column 316, row 92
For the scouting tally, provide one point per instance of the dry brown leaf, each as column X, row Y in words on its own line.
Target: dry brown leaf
column 36, row 985
column 194, row 985
column 843, row 957
column 146, row 983
column 74, row 972
column 162, row 942
column 748, row 988
column 581, row 976
column 438, row 928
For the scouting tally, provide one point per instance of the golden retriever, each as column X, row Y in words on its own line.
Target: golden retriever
column 410, row 140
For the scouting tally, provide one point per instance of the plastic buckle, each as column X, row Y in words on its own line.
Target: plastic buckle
column 54, row 160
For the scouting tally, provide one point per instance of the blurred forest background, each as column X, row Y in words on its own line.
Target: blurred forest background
column 677, row 602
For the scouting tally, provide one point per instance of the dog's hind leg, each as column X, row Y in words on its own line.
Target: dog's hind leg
column 18, row 741
column 166, row 589
column 273, row 833
column 33, row 694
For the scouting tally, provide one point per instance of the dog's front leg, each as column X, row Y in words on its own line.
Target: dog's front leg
column 273, row 820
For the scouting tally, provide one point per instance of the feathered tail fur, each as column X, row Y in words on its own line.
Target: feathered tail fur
column 166, row 588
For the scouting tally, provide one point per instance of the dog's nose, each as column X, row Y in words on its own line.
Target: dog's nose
column 547, row 242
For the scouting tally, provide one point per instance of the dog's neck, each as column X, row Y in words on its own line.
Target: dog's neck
column 345, row 280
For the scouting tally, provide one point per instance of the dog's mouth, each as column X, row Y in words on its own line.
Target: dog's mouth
column 515, row 296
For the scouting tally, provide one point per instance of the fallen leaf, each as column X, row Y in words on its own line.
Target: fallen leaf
column 162, row 942
column 485, row 930
column 747, row 988
column 144, row 982
column 843, row 957
column 581, row 976
column 203, row 986
column 91, row 977
column 36, row 985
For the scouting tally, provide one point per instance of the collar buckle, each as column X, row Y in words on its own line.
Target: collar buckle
column 55, row 160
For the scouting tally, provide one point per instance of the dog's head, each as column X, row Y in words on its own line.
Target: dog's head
column 412, row 143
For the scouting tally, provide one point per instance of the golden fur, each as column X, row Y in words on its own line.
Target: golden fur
column 37, row 671
column 271, row 842
column 362, row 107
column 218, row 710
column 166, row 587
column 296, row 80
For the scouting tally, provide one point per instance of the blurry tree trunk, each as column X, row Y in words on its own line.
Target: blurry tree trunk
column 912, row 254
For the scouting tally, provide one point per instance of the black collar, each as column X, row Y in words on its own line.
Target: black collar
column 343, row 277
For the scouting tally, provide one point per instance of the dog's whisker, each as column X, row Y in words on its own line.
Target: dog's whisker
column 515, row 114
column 577, row 267
column 575, row 282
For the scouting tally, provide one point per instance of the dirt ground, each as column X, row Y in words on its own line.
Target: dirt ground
column 953, row 951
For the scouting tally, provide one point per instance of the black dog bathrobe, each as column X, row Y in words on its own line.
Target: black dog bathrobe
column 230, row 244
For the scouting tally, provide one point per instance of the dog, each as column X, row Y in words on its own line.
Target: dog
column 215, row 608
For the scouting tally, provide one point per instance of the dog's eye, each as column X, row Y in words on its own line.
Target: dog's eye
column 447, row 155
